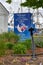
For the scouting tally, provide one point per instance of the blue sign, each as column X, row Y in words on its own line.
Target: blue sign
column 22, row 22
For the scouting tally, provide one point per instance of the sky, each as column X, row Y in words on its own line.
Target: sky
column 15, row 6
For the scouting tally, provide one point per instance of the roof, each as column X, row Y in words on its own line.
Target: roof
column 4, row 7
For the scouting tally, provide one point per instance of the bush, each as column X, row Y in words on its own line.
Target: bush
column 12, row 37
column 9, row 45
column 9, row 37
column 2, row 48
column 39, row 44
column 27, row 43
column 19, row 49
column 38, row 41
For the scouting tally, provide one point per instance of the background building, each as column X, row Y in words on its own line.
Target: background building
column 3, row 18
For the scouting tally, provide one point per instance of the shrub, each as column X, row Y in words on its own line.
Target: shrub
column 39, row 44
column 38, row 41
column 19, row 49
column 9, row 37
column 9, row 45
column 12, row 37
column 27, row 43
column 2, row 48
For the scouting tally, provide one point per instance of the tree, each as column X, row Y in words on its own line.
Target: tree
column 35, row 4
column 30, row 3
column 9, row 1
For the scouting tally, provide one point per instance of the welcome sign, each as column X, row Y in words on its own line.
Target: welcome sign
column 22, row 22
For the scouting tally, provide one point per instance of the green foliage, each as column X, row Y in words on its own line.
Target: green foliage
column 33, row 3
column 38, row 41
column 9, row 45
column 9, row 37
column 19, row 49
column 22, row 47
column 9, row 1
column 30, row 3
column 39, row 44
column 27, row 43
column 13, row 37
column 7, row 41
column 2, row 49
column 2, row 52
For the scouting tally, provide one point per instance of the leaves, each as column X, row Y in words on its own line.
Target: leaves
column 33, row 3
column 9, row 1
column 30, row 3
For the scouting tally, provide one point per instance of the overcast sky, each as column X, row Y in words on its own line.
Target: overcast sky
column 15, row 6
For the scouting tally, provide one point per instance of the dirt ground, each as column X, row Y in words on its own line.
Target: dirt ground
column 22, row 60
column 12, row 60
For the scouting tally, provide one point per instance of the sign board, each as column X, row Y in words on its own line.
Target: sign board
column 22, row 22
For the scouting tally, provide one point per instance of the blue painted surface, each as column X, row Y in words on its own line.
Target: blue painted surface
column 10, row 29
column 22, row 22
